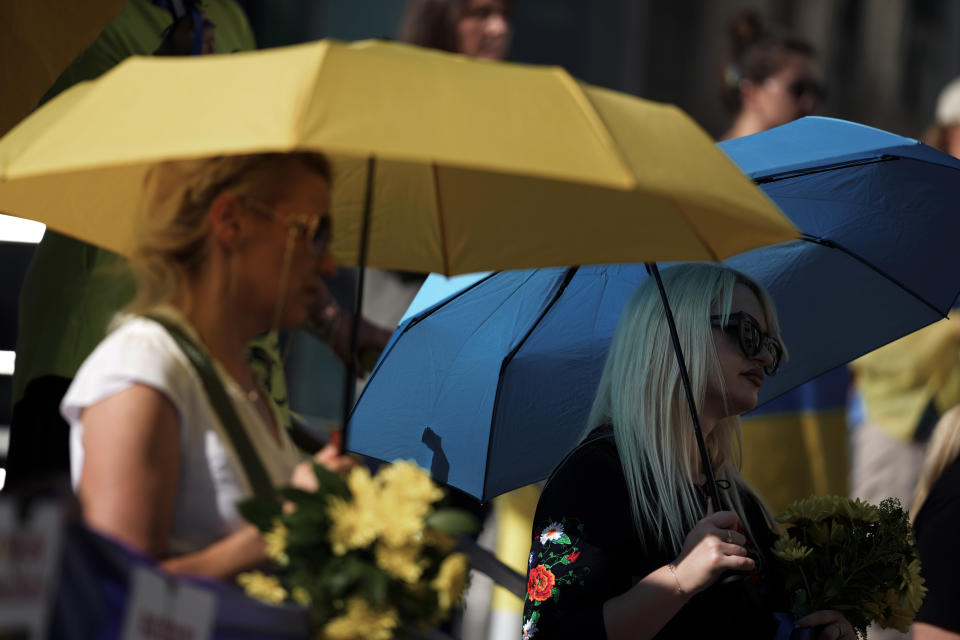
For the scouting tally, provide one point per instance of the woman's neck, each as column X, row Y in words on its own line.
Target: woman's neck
column 223, row 326
column 745, row 124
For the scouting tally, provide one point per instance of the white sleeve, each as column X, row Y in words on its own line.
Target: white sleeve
column 139, row 352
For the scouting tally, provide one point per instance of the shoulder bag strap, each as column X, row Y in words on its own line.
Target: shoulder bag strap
column 223, row 407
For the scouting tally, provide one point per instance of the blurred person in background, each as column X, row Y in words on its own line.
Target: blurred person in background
column 944, row 133
column 936, row 517
column 475, row 28
column 906, row 387
column 797, row 445
column 770, row 78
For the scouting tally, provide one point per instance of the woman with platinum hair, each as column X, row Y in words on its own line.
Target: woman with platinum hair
column 626, row 541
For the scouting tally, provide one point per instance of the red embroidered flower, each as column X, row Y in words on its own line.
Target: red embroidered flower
column 573, row 556
column 540, row 583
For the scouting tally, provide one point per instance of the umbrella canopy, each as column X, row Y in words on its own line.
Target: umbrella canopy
column 478, row 165
column 491, row 387
column 38, row 39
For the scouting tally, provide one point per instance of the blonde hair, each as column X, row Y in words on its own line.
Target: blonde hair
column 942, row 450
column 641, row 395
column 172, row 224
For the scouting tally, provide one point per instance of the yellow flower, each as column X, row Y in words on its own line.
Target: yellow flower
column 451, row 580
column 898, row 618
column 361, row 622
column 301, row 596
column 414, row 484
column 355, row 525
column 913, row 591
column 363, row 487
column 403, row 563
column 392, row 506
column 262, row 587
column 818, row 508
column 859, row 510
column 276, row 540
column 789, row 550
column 407, row 493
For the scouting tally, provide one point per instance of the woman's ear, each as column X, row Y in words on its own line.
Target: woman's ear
column 748, row 89
column 226, row 220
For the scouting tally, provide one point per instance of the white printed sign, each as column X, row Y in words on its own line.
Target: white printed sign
column 29, row 561
column 164, row 609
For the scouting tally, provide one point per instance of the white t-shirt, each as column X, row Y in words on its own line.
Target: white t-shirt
column 211, row 478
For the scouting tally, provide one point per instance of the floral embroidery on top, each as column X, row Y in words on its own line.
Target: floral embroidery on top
column 548, row 568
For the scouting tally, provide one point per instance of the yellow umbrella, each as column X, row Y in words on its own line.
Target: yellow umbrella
column 38, row 39
column 479, row 165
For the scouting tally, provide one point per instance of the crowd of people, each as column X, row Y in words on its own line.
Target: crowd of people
column 116, row 358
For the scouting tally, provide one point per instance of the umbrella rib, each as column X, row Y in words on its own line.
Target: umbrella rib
column 696, row 232
column 830, row 244
column 599, row 125
column 809, row 171
column 568, row 276
column 440, row 218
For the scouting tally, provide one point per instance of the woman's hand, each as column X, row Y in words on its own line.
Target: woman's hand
column 714, row 546
column 833, row 625
column 330, row 458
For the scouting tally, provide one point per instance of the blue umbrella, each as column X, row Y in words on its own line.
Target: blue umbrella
column 490, row 387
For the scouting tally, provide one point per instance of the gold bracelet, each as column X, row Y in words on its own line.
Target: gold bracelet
column 680, row 589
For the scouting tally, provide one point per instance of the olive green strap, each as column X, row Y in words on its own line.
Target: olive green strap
column 223, row 407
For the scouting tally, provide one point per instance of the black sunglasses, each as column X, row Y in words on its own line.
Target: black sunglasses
column 800, row 88
column 752, row 338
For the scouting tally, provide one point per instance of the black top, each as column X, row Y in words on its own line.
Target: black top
column 586, row 550
column 936, row 528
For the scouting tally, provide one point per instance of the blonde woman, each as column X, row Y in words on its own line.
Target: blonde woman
column 936, row 508
column 625, row 543
column 228, row 249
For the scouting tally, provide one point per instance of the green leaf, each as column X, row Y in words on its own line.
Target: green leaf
column 260, row 512
column 376, row 584
column 564, row 539
column 301, row 497
column 453, row 522
column 331, row 483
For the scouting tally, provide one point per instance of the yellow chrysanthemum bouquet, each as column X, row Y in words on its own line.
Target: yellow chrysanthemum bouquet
column 851, row 556
column 370, row 556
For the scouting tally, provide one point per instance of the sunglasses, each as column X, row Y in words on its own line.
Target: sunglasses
column 318, row 233
column 752, row 338
column 800, row 88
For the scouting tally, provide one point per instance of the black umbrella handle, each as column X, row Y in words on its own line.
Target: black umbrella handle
column 350, row 382
column 685, row 378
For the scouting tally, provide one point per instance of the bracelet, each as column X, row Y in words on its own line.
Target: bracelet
column 673, row 571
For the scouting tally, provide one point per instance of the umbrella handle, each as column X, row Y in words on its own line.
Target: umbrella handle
column 685, row 378
column 728, row 576
column 350, row 383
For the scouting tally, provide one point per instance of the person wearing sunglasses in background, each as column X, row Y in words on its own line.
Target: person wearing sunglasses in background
column 770, row 79
column 227, row 249
column 625, row 541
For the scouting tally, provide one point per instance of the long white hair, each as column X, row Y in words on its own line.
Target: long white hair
column 943, row 449
column 642, row 396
